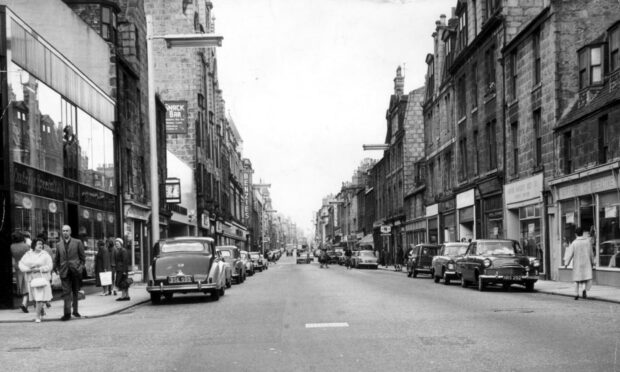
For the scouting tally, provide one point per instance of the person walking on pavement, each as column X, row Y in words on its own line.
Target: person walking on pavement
column 102, row 265
column 69, row 263
column 399, row 259
column 348, row 253
column 580, row 252
column 18, row 249
column 121, row 260
column 37, row 263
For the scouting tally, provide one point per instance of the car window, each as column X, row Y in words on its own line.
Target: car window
column 367, row 253
column 496, row 248
column 170, row 247
column 225, row 253
column 454, row 250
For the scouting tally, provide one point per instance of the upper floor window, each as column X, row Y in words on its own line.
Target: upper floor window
column 490, row 70
column 108, row 24
column 462, row 102
column 514, row 134
column 568, row 152
column 513, row 75
column 614, row 46
column 536, row 54
column 476, row 153
column 492, row 144
column 463, row 29
column 590, row 66
column 431, row 76
column 474, row 79
column 492, row 7
column 538, row 137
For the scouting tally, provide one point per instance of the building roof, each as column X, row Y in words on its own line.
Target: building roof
column 608, row 94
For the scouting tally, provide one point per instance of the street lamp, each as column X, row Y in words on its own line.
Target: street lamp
column 172, row 41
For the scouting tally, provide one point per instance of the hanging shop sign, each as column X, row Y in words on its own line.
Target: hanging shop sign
column 386, row 229
column 173, row 191
column 176, row 117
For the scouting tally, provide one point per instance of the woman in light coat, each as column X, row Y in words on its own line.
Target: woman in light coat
column 580, row 252
column 38, row 263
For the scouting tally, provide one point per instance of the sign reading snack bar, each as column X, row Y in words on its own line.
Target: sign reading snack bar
column 176, row 117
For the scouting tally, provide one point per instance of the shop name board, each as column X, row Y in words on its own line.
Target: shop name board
column 465, row 199
column 527, row 189
column 386, row 229
column 432, row 210
column 32, row 181
column 176, row 117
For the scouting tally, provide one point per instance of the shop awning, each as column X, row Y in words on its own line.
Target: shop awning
column 366, row 240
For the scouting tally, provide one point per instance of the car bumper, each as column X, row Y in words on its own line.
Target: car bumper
column 509, row 278
column 368, row 264
column 193, row 287
column 451, row 274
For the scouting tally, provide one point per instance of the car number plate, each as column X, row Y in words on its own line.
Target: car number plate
column 180, row 279
column 512, row 277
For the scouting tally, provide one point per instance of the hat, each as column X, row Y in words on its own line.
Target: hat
column 119, row 240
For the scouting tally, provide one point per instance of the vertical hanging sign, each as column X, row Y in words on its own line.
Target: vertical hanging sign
column 176, row 117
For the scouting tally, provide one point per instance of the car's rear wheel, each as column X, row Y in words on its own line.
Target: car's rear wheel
column 155, row 298
column 228, row 283
column 481, row 284
column 446, row 279
column 529, row 286
column 222, row 291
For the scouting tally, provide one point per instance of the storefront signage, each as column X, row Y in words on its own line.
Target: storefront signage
column 570, row 217
column 176, row 117
column 246, row 193
column 432, row 210
column 527, row 189
column 465, row 199
column 386, row 229
column 204, row 220
column 32, row 181
column 137, row 213
column 72, row 191
column 587, row 188
column 97, row 199
column 173, row 191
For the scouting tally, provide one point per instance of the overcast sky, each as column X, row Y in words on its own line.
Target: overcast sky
column 307, row 83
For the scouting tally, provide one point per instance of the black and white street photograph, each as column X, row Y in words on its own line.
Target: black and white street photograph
column 327, row 185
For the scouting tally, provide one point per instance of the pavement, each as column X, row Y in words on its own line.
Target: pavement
column 92, row 306
column 96, row 306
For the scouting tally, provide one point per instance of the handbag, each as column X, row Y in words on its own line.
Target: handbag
column 56, row 282
column 39, row 281
column 105, row 278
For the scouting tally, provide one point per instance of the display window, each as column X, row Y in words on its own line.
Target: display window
column 449, row 227
column 530, row 231
column 609, row 230
column 38, row 215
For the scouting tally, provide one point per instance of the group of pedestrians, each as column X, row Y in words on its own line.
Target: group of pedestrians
column 35, row 263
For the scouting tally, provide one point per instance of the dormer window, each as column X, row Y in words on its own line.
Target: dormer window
column 614, row 47
column 463, row 29
column 108, row 24
column 590, row 66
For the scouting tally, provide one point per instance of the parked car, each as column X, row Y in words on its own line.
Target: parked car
column 443, row 266
column 420, row 258
column 184, row 265
column 247, row 261
column 232, row 257
column 259, row 261
column 332, row 256
column 608, row 253
column 304, row 257
column 499, row 261
column 339, row 259
column 361, row 259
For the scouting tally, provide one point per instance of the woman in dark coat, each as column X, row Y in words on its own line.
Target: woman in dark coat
column 122, row 262
column 103, row 264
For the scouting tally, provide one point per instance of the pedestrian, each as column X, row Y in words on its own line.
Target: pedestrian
column 348, row 253
column 121, row 259
column 18, row 250
column 399, row 259
column 580, row 252
column 102, row 265
column 112, row 250
column 43, row 236
column 69, row 263
column 37, row 265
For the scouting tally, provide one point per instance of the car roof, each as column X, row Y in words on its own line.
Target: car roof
column 226, row 247
column 494, row 241
column 188, row 238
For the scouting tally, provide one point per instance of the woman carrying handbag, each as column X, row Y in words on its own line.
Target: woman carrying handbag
column 37, row 264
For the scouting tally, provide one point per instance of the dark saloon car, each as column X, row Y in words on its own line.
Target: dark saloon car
column 184, row 265
column 497, row 261
column 420, row 259
column 231, row 256
column 443, row 264
column 260, row 263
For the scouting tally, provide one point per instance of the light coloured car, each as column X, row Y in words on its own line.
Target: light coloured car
column 247, row 261
column 185, row 265
column 259, row 261
column 361, row 259
column 443, row 266
column 232, row 257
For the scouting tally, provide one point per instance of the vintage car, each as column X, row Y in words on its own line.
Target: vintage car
column 304, row 257
column 443, row 266
column 231, row 256
column 498, row 261
column 419, row 259
column 247, row 261
column 259, row 261
column 361, row 259
column 185, row 265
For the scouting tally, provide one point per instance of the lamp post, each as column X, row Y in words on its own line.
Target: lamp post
column 172, row 41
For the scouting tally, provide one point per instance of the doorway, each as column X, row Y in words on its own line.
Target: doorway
column 73, row 218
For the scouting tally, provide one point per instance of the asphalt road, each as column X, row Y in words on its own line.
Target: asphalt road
column 303, row 318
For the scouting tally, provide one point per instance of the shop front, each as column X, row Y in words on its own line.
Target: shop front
column 432, row 223
column 136, row 238
column 447, row 211
column 491, row 214
column 465, row 215
column 524, row 216
column 591, row 201
column 416, row 232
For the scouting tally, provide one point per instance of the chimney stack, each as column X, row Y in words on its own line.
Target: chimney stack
column 399, row 82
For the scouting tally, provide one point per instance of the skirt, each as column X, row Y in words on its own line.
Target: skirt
column 40, row 293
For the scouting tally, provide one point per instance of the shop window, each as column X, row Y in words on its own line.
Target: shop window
column 38, row 215
column 96, row 153
column 530, row 226
column 609, row 230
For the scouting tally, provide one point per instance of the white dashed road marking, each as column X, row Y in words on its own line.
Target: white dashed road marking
column 326, row 325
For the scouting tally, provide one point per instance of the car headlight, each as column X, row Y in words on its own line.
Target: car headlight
column 535, row 263
column 450, row 266
column 487, row 262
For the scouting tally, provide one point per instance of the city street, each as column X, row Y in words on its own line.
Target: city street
column 303, row 318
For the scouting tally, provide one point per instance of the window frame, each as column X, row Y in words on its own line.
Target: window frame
column 567, row 142
column 491, row 132
column 614, row 48
column 603, row 139
column 537, row 128
column 536, row 68
column 110, row 24
column 586, row 67
column 514, row 133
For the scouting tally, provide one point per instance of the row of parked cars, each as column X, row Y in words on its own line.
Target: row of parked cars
column 480, row 262
column 197, row 265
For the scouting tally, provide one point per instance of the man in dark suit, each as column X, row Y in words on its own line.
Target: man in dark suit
column 69, row 262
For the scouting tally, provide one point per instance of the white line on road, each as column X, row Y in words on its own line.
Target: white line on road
column 326, row 325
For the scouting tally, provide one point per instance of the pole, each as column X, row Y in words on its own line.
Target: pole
column 152, row 134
